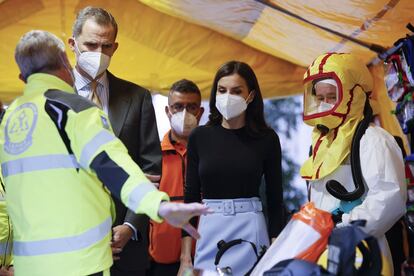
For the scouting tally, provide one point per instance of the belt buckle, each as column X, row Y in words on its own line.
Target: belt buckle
column 228, row 207
column 257, row 206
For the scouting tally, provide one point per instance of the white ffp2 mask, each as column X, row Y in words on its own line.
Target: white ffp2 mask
column 183, row 122
column 93, row 63
column 230, row 106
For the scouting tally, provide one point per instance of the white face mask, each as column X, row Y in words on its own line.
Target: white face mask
column 230, row 106
column 323, row 106
column 183, row 122
column 93, row 63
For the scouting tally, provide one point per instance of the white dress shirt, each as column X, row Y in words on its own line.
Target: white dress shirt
column 83, row 86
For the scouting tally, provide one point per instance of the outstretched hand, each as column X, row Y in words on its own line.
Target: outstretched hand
column 179, row 214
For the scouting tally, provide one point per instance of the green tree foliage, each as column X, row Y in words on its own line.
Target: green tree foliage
column 283, row 115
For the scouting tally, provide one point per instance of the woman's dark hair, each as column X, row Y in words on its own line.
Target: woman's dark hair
column 255, row 122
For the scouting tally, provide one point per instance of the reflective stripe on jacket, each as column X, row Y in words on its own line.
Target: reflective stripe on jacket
column 57, row 149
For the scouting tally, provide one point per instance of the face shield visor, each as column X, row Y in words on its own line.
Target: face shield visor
column 321, row 97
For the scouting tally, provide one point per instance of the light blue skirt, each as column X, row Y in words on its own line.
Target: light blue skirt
column 232, row 219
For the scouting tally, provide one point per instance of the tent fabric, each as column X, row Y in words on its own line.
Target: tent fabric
column 154, row 51
column 267, row 29
column 162, row 41
column 281, row 35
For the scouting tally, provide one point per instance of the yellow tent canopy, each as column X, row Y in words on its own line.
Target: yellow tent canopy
column 162, row 41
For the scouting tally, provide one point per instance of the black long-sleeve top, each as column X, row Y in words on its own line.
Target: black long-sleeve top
column 227, row 164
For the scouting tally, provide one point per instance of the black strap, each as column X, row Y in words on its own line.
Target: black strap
column 2, row 185
column 334, row 187
column 410, row 27
column 2, row 112
column 371, row 261
column 224, row 246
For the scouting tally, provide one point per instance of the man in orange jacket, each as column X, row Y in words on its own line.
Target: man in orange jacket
column 184, row 112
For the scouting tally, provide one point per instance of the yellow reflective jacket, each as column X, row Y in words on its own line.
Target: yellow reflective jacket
column 6, row 241
column 56, row 151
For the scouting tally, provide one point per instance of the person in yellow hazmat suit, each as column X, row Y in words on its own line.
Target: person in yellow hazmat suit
column 60, row 163
column 336, row 101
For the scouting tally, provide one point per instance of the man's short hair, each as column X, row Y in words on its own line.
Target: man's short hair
column 185, row 86
column 100, row 16
column 39, row 51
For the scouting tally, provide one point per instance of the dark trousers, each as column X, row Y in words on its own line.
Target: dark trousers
column 157, row 269
column 395, row 238
column 117, row 272
column 133, row 260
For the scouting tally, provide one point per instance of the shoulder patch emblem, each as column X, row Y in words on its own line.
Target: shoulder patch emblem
column 19, row 128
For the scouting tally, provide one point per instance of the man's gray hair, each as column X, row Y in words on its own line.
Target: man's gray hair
column 39, row 51
column 100, row 16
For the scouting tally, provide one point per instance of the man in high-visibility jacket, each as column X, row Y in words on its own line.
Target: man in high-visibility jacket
column 56, row 151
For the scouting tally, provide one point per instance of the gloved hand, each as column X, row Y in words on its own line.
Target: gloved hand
column 179, row 214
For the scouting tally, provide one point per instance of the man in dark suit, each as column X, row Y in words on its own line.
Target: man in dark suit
column 132, row 117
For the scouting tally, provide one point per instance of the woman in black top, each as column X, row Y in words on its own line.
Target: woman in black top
column 226, row 160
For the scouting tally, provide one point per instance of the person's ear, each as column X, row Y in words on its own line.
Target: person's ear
column 115, row 47
column 251, row 96
column 200, row 113
column 167, row 112
column 71, row 42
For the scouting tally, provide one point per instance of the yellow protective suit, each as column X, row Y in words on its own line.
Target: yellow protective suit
column 383, row 202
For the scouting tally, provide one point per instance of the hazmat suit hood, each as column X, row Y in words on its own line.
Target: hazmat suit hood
column 335, row 124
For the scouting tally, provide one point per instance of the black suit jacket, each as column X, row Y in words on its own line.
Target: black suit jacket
column 132, row 117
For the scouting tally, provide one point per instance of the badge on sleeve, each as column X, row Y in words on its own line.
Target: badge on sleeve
column 19, row 128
